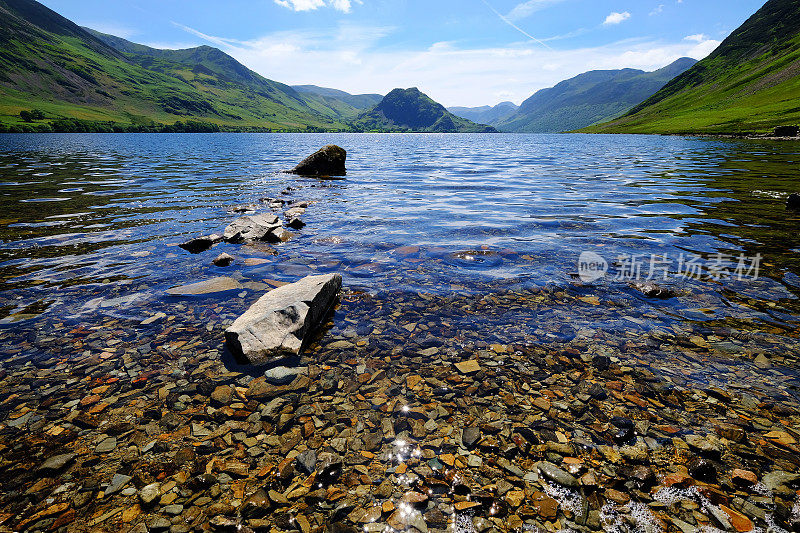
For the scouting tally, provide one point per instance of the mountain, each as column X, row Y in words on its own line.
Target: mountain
column 350, row 104
column 589, row 98
column 750, row 83
column 412, row 110
column 486, row 114
column 214, row 62
column 53, row 65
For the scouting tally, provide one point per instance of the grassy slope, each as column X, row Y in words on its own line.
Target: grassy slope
column 67, row 72
column 412, row 110
column 749, row 84
column 589, row 98
column 210, row 62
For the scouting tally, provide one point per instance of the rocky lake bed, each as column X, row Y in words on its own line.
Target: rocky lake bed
column 431, row 398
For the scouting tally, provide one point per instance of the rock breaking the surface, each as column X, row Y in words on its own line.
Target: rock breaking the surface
column 264, row 227
column 280, row 322
column 327, row 161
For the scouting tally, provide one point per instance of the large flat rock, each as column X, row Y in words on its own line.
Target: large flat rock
column 281, row 322
column 209, row 286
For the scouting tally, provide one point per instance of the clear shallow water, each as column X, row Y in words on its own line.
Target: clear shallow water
column 90, row 224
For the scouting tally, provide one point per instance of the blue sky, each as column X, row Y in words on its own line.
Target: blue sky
column 460, row 52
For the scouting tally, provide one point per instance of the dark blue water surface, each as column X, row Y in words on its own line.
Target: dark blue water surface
column 91, row 223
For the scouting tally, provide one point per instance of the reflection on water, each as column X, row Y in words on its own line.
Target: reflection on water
column 89, row 219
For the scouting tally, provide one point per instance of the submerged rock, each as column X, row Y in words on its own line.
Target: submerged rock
column 470, row 436
column 253, row 228
column 209, row 286
column 56, row 463
column 328, row 161
column 281, row 321
column 282, row 375
column 794, row 201
column 553, row 473
column 651, row 290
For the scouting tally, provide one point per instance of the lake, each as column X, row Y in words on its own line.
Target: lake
column 450, row 246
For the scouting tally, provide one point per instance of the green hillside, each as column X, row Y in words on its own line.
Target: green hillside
column 411, row 110
column 589, row 98
column 50, row 64
column 336, row 106
column 749, row 84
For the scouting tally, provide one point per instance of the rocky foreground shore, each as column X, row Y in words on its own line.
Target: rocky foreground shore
column 398, row 423
column 501, row 411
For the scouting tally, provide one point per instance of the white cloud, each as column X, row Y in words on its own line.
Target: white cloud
column 704, row 48
column 616, row 18
column 309, row 5
column 526, row 9
column 350, row 57
column 658, row 10
column 698, row 38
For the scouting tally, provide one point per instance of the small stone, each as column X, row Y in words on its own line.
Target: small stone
column 57, row 462
column 307, row 461
column 739, row 521
column 107, row 445
column 278, row 498
column 617, row 496
column 117, row 482
column 474, row 461
column 634, row 453
column 468, row 367
column 515, row 498
column 173, row 509
column 282, row 375
column 153, row 319
column 222, row 395
column 743, row 477
column 762, row 361
column 159, row 524
column 149, row 493
column 544, row 506
column 224, row 523
column 223, row 260
column 553, row 473
column 470, row 436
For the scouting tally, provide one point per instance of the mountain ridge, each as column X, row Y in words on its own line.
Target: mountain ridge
column 67, row 72
column 589, row 98
column 485, row 114
column 749, row 84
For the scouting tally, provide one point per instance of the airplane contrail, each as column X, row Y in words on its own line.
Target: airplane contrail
column 505, row 19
